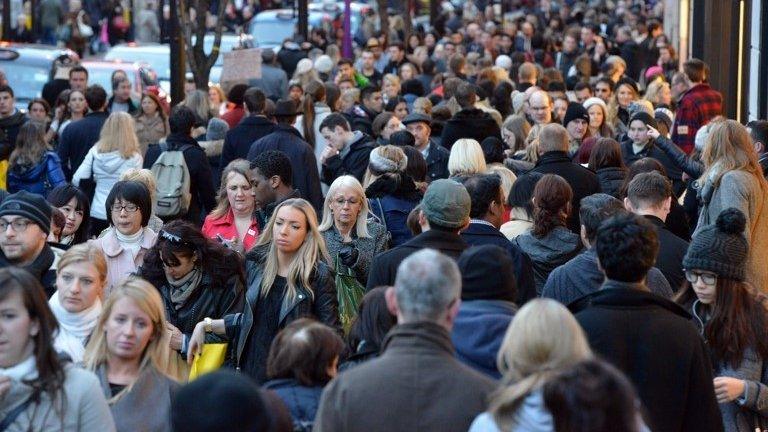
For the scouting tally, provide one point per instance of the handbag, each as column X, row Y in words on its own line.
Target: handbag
column 211, row 358
column 349, row 292
column 88, row 184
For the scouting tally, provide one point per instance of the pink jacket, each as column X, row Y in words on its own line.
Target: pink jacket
column 226, row 227
column 119, row 261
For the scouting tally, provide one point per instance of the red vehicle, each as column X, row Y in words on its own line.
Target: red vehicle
column 141, row 75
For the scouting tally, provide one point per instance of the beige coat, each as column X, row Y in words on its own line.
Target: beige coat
column 149, row 130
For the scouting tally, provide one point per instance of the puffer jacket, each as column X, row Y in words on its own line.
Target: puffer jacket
column 39, row 178
column 301, row 400
column 106, row 169
column 548, row 253
column 611, row 179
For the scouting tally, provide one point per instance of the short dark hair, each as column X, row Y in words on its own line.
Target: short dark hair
column 368, row 91
column 626, row 246
column 493, row 150
column 402, row 138
column 255, row 100
column 466, row 95
column 595, row 209
column 556, row 86
column 304, row 350
column 133, row 192
column 483, row 189
column 236, row 93
column 695, row 70
column 78, row 68
column 412, row 86
column 581, row 86
column 96, row 97
column 272, row 163
column 182, row 119
column 606, row 80
column 649, row 189
column 373, row 321
column 334, row 120
column 417, row 165
column 6, row 89
column 522, row 191
column 758, row 131
column 116, row 82
column 428, row 66
column 346, row 61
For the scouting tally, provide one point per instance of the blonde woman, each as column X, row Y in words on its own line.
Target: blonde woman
column 543, row 339
column 659, row 93
column 116, row 151
column 217, row 99
column 598, row 118
column 733, row 178
column 288, row 278
column 129, row 354
column 233, row 220
column 81, row 275
column 198, row 102
column 349, row 236
column 618, row 107
column 390, row 87
column 466, row 158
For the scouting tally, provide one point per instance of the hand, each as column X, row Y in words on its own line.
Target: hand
column 196, row 342
column 176, row 336
column 653, row 133
column 348, row 255
column 5, row 386
column 233, row 243
column 727, row 389
column 328, row 152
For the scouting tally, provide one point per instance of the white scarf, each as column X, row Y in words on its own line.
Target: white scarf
column 131, row 242
column 74, row 328
column 26, row 370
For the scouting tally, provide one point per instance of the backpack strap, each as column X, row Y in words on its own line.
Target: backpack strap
column 163, row 146
column 11, row 417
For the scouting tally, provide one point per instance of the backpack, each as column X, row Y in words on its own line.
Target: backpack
column 173, row 182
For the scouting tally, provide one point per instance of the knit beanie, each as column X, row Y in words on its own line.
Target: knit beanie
column 504, row 61
column 487, row 273
column 30, row 206
column 575, row 111
column 720, row 248
column 644, row 117
column 324, row 64
column 595, row 101
column 382, row 164
column 664, row 115
column 217, row 129
column 700, row 140
column 303, row 66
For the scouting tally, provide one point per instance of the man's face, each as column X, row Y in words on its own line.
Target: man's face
column 527, row 29
column 420, row 132
column 21, row 240
column 540, row 108
column 368, row 60
column 374, row 102
column 123, row 91
column 347, row 71
column 335, row 137
column 583, row 94
column 569, row 44
column 395, row 53
column 261, row 188
column 577, row 128
column 587, row 37
column 78, row 81
column 603, row 91
column 6, row 104
column 346, row 85
column 450, row 50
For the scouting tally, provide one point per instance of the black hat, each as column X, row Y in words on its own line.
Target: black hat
column 575, row 111
column 630, row 81
column 416, row 117
column 31, row 206
column 645, row 118
column 285, row 108
column 487, row 273
column 720, row 248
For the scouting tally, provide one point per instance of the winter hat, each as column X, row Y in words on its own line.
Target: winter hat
column 493, row 150
column 720, row 248
column 701, row 136
column 595, row 101
column 575, row 111
column 664, row 115
column 504, row 61
column 217, row 129
column 652, row 72
column 446, row 203
column 640, row 106
column 630, row 82
column 380, row 163
column 305, row 65
column 487, row 273
column 518, row 99
column 28, row 205
column 324, row 64
column 645, row 118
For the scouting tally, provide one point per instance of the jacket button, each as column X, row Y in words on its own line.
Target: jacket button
column 301, row 296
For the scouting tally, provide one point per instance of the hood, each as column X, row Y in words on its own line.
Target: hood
column 399, row 186
column 29, row 173
column 553, row 247
column 109, row 163
column 478, row 331
column 533, row 416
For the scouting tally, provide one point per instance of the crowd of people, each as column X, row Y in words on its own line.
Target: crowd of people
column 544, row 224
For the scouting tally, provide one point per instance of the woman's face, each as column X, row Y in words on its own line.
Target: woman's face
column 239, row 193
column 508, row 137
column 77, row 102
column 413, row 41
column 638, row 132
column 595, row 116
column 625, row 96
column 214, row 97
column 126, row 217
column 17, row 329
column 704, row 291
column 178, row 266
column 429, row 40
column 295, row 93
column 401, row 110
column 74, row 217
column 79, row 285
column 390, row 89
column 37, row 112
column 406, row 73
column 289, row 230
column 560, row 107
column 345, row 206
column 128, row 330
column 148, row 106
column 665, row 95
column 664, row 55
column 393, row 125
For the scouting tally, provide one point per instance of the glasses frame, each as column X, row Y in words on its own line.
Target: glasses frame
column 14, row 224
column 702, row 276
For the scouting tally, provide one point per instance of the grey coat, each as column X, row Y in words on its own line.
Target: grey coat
column 546, row 254
column 368, row 247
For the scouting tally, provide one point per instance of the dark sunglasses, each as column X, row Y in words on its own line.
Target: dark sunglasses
column 173, row 238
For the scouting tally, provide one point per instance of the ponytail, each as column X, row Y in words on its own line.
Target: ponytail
column 315, row 92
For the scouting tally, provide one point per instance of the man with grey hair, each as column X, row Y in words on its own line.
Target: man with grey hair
column 397, row 391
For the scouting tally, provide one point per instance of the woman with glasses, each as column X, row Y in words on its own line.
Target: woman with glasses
column 731, row 316
column 233, row 221
column 350, row 237
column 128, row 239
column 288, row 278
column 197, row 278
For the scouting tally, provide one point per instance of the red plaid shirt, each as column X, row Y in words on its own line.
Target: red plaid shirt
column 697, row 107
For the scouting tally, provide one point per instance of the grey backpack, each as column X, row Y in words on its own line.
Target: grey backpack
column 173, row 183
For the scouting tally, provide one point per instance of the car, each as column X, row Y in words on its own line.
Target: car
column 28, row 67
column 271, row 27
column 141, row 75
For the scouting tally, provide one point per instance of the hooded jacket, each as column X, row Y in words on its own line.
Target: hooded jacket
column 39, row 178
column 478, row 331
column 469, row 123
column 611, row 179
column 106, row 169
column 390, row 199
column 546, row 253
column 531, row 416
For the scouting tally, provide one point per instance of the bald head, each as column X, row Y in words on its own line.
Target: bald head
column 553, row 137
column 540, row 107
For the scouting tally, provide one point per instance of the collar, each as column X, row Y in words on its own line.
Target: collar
column 481, row 222
column 553, row 156
column 617, row 296
column 437, row 240
column 655, row 220
column 113, row 248
column 612, row 284
column 421, row 334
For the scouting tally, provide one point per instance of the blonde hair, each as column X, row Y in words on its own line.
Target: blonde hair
column 157, row 353
column 84, row 252
column 220, row 92
column 505, row 174
column 310, row 253
column 118, row 134
column 613, row 104
column 237, row 166
column 361, row 225
column 542, row 338
column 728, row 148
column 390, row 79
column 143, row 176
column 653, row 92
column 422, row 105
column 198, row 102
column 466, row 158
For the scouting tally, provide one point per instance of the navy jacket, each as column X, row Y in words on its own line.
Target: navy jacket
column 77, row 139
column 478, row 234
column 478, row 331
column 302, row 401
column 238, row 140
column 437, row 161
column 305, row 177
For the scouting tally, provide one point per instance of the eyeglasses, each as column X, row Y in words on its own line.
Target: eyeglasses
column 351, row 201
column 708, row 278
column 129, row 208
column 18, row 225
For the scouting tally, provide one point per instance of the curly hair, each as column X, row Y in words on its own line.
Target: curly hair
column 551, row 204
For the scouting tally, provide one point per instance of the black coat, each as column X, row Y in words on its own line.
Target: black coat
column 132, row 107
column 9, row 130
column 583, row 181
column 437, row 161
column 354, row 163
column 77, row 139
column 469, row 123
column 41, row 268
column 672, row 249
column 651, row 150
column 200, row 175
column 384, row 266
column 480, row 234
column 304, row 176
column 611, row 180
column 239, row 139
column 653, row 341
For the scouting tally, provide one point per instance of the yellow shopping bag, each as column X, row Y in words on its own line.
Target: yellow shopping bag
column 211, row 359
column 3, row 174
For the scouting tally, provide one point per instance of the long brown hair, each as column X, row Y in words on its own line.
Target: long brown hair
column 551, row 204
column 30, row 144
column 315, row 92
column 738, row 320
column 606, row 154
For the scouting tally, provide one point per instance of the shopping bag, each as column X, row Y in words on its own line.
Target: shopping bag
column 209, row 360
column 349, row 292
